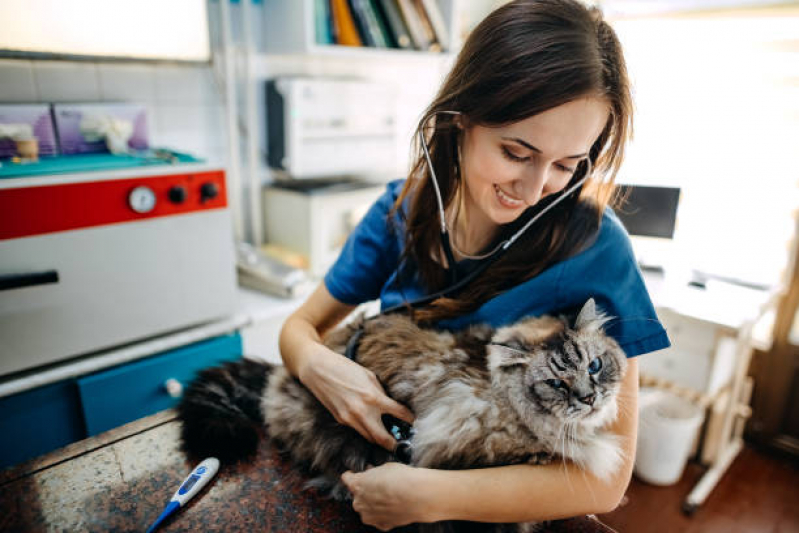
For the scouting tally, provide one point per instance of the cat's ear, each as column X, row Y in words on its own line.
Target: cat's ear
column 590, row 317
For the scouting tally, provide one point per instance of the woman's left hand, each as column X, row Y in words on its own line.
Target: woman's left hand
column 385, row 496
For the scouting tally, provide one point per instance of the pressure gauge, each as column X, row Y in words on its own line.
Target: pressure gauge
column 142, row 199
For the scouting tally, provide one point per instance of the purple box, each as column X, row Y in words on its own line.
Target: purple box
column 75, row 121
column 40, row 122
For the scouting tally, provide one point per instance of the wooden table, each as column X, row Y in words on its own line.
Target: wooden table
column 122, row 479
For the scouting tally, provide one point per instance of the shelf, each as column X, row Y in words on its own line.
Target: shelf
column 290, row 30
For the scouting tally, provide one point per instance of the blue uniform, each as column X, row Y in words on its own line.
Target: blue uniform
column 606, row 271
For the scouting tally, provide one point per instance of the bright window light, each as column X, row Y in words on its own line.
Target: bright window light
column 137, row 29
column 717, row 114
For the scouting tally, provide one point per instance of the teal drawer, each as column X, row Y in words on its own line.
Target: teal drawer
column 122, row 394
column 38, row 421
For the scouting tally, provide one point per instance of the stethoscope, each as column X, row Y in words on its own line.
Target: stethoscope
column 399, row 429
column 492, row 256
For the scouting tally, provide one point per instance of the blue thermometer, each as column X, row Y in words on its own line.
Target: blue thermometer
column 193, row 484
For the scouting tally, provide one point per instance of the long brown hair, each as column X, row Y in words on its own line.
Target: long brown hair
column 524, row 58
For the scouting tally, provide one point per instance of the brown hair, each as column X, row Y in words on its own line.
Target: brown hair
column 524, row 58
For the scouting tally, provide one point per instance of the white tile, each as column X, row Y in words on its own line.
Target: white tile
column 185, row 85
column 16, row 81
column 59, row 81
column 130, row 83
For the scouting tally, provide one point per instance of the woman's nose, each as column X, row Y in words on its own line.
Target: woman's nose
column 530, row 188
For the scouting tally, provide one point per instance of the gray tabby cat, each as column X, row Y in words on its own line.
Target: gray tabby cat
column 525, row 393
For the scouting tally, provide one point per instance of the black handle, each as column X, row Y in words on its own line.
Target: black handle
column 28, row 279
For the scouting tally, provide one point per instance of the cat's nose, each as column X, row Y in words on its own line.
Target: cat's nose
column 588, row 400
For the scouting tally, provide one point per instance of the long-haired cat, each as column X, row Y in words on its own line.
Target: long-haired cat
column 541, row 388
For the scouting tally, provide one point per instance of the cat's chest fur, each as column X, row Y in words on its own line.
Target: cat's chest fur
column 445, row 381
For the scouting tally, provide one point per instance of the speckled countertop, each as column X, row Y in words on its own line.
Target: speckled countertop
column 122, row 479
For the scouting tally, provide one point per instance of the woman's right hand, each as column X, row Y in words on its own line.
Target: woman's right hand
column 352, row 394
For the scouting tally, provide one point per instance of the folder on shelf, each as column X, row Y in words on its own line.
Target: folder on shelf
column 395, row 23
column 322, row 22
column 415, row 26
column 346, row 32
column 436, row 19
column 367, row 23
column 427, row 27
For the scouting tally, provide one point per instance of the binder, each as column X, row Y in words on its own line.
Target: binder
column 438, row 23
column 414, row 23
column 395, row 23
column 322, row 22
column 427, row 27
column 367, row 23
column 382, row 22
column 346, row 31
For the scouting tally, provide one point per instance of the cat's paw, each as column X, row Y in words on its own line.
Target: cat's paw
column 603, row 456
column 540, row 458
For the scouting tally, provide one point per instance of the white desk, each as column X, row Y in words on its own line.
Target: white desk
column 711, row 333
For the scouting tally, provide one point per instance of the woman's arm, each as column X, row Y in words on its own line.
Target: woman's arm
column 394, row 495
column 349, row 391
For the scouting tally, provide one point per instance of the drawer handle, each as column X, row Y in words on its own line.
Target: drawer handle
column 173, row 387
column 28, row 279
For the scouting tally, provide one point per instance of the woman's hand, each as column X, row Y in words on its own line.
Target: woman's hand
column 353, row 395
column 386, row 496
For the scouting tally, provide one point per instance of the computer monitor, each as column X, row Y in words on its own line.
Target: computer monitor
column 649, row 211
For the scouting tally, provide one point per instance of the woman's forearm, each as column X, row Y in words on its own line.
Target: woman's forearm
column 301, row 336
column 518, row 493
column 522, row 493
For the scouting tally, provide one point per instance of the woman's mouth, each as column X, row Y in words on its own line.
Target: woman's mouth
column 506, row 200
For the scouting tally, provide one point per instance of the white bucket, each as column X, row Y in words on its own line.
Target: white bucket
column 667, row 428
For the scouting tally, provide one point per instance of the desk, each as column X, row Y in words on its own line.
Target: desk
column 121, row 480
column 711, row 330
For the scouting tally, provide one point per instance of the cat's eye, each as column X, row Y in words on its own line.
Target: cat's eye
column 595, row 366
column 556, row 383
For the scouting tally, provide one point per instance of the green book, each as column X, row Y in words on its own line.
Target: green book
column 395, row 22
column 322, row 22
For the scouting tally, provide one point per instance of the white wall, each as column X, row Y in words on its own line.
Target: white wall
column 185, row 109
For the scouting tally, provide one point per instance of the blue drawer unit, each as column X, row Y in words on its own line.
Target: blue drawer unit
column 119, row 395
column 38, row 421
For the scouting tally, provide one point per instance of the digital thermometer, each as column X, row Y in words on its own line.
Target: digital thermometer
column 193, row 484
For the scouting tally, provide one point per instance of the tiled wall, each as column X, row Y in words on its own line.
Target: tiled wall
column 185, row 107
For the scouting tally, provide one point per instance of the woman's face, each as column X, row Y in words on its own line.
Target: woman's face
column 509, row 168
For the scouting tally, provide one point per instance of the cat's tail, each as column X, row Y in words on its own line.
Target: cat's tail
column 221, row 410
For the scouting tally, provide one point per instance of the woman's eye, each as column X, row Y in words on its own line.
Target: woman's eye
column 513, row 157
column 564, row 168
column 595, row 366
column 556, row 383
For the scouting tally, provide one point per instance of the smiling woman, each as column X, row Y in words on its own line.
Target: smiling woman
column 537, row 105
column 507, row 169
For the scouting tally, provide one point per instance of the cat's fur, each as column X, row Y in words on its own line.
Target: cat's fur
column 481, row 397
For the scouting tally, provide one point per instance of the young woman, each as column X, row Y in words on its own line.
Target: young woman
column 538, row 100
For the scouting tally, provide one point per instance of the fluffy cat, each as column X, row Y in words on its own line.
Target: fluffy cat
column 526, row 393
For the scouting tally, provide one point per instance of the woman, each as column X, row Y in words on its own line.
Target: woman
column 538, row 100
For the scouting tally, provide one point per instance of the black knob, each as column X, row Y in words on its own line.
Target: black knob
column 177, row 194
column 208, row 191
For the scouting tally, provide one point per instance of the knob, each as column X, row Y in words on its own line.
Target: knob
column 208, row 191
column 142, row 199
column 173, row 387
column 177, row 194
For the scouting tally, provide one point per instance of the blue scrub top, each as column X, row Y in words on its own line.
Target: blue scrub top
column 606, row 271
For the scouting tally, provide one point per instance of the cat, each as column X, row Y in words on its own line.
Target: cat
column 529, row 392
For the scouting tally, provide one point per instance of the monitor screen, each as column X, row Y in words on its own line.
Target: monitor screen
column 173, row 30
column 649, row 211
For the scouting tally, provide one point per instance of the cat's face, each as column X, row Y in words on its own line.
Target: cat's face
column 549, row 367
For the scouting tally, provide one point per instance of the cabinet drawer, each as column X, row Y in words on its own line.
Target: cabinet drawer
column 114, row 397
column 38, row 421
